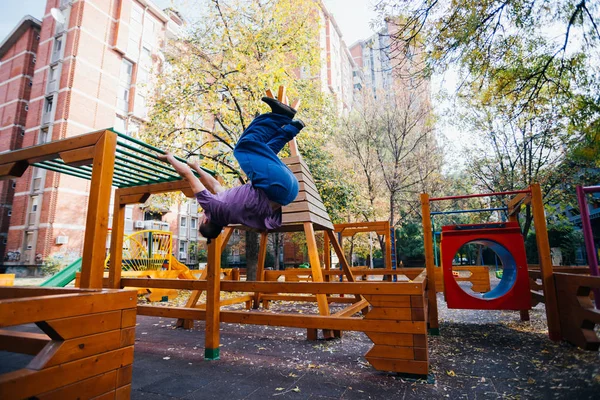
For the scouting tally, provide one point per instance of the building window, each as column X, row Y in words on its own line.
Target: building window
column 194, row 223
column 57, row 49
column 47, row 114
column 38, row 178
column 124, row 86
column 28, row 240
column 183, row 245
column 9, row 213
column 33, row 208
column 53, row 79
column 183, row 222
column 136, row 13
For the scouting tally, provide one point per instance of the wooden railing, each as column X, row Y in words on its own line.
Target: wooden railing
column 577, row 313
column 86, row 349
column 396, row 322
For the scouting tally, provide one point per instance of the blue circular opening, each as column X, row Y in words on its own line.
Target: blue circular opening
column 509, row 274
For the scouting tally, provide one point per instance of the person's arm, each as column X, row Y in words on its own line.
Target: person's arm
column 207, row 180
column 183, row 170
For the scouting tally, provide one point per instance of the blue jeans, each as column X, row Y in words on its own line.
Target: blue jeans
column 256, row 152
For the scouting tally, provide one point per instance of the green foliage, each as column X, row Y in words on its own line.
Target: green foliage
column 52, row 265
column 561, row 235
column 409, row 241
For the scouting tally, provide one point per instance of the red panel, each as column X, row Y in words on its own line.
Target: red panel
column 508, row 235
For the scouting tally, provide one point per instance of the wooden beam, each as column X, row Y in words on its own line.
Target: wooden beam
column 315, row 265
column 131, row 198
column 116, row 243
column 543, row 245
column 154, row 188
column 78, row 157
column 13, row 170
column 352, row 309
column 260, row 272
column 387, row 288
column 96, row 228
column 429, row 263
column 51, row 150
column 281, row 94
column 213, row 292
column 22, row 342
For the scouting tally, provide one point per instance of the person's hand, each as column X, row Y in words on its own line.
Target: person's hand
column 193, row 165
column 165, row 157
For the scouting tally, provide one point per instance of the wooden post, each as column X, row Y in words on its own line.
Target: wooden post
column 388, row 251
column 260, row 270
column 326, row 252
column 116, row 244
column 317, row 274
column 213, row 296
column 543, row 245
column 195, row 295
column 434, row 327
column 96, row 227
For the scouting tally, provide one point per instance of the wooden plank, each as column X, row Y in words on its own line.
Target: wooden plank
column 26, row 383
column 85, row 389
column 391, row 339
column 340, row 254
column 429, row 262
column 287, row 297
column 94, row 243
column 543, row 245
column 315, row 266
column 402, row 366
column 400, row 314
column 172, row 312
column 124, row 375
column 13, row 170
column 51, row 150
column 22, row 342
column 123, row 393
column 27, row 310
column 128, row 318
column 306, row 206
column 281, row 94
column 398, row 301
column 352, row 309
column 155, row 188
column 322, row 322
column 304, row 202
column 77, row 348
column 72, row 327
column 376, row 288
column 228, row 302
column 78, row 157
column 302, row 217
column 385, row 351
column 15, row 292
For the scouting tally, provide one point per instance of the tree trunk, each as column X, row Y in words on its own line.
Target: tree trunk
column 277, row 243
column 251, row 255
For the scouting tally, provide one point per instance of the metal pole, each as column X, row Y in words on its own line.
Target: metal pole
column 588, row 238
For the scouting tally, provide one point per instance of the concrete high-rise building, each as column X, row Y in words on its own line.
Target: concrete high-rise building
column 92, row 68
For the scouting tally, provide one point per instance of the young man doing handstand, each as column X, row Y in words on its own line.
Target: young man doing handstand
column 256, row 204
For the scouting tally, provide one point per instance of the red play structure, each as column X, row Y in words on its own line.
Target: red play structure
column 505, row 239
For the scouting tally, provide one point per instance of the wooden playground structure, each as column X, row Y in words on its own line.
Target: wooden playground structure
column 87, row 344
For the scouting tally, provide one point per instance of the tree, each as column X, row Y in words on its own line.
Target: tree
column 211, row 85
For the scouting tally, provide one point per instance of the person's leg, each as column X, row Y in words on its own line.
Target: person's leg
column 284, row 135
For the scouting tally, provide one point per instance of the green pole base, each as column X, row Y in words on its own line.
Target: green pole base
column 433, row 331
column 211, row 354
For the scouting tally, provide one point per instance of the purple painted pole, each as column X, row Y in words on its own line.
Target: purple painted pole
column 588, row 236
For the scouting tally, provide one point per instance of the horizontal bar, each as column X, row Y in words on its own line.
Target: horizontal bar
column 49, row 168
column 468, row 211
column 468, row 196
column 168, row 171
column 290, row 320
column 84, row 172
column 591, row 189
column 388, row 288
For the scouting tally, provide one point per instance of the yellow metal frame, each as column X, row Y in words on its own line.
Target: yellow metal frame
column 145, row 260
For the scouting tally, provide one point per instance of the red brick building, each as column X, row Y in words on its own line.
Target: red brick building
column 93, row 62
column 17, row 63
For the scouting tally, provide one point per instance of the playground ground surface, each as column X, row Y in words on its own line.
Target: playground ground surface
column 479, row 355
